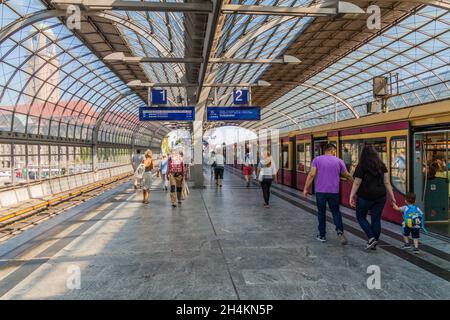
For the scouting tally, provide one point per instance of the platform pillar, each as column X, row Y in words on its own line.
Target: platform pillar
column 197, row 168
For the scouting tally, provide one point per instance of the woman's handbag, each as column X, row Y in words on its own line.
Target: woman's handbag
column 138, row 176
column 260, row 176
column 139, row 173
column 184, row 191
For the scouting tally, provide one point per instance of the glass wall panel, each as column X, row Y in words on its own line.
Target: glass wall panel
column 20, row 165
column 5, row 165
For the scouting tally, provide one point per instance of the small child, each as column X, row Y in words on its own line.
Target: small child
column 413, row 221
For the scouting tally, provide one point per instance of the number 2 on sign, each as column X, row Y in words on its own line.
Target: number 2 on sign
column 238, row 96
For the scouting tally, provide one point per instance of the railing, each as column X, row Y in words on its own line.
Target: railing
column 48, row 187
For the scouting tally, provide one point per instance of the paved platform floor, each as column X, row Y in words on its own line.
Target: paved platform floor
column 220, row 244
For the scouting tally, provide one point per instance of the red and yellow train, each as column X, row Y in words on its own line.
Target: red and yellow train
column 414, row 143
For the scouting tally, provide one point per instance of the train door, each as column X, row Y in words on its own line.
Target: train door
column 431, row 178
column 286, row 162
column 293, row 182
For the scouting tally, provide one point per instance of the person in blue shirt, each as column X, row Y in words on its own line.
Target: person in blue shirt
column 163, row 168
column 413, row 221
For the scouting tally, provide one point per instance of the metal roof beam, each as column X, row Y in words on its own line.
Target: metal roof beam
column 278, row 11
column 120, row 56
column 119, row 5
column 138, row 83
column 320, row 89
column 208, row 42
column 443, row 4
column 285, row 60
column 332, row 8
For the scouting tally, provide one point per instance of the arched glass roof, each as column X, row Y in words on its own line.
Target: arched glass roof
column 417, row 49
column 160, row 34
column 243, row 32
column 51, row 84
column 54, row 82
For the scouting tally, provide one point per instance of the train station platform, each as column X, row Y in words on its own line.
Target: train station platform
column 219, row 244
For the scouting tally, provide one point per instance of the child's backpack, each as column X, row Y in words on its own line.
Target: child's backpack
column 412, row 217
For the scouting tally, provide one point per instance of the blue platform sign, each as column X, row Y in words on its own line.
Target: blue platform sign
column 233, row 113
column 240, row 96
column 167, row 114
column 159, row 96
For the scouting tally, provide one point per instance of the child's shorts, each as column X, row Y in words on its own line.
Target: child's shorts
column 415, row 232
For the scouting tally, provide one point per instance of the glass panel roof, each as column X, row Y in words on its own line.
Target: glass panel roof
column 417, row 49
column 52, row 84
column 161, row 34
column 244, row 33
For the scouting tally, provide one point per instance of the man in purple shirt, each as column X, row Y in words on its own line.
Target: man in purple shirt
column 327, row 171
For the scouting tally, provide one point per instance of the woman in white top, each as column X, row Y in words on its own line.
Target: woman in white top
column 218, row 162
column 147, row 177
column 267, row 173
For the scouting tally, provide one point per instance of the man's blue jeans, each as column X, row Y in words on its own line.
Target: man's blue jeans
column 333, row 203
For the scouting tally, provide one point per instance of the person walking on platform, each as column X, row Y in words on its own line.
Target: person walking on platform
column 413, row 222
column 369, row 193
column 248, row 168
column 267, row 174
column 326, row 170
column 147, row 178
column 218, row 162
column 163, row 169
column 175, row 173
column 212, row 163
column 136, row 160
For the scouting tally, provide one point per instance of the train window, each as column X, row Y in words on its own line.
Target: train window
column 398, row 164
column 381, row 148
column 350, row 154
column 300, row 157
column 351, row 150
column 285, row 156
column 307, row 156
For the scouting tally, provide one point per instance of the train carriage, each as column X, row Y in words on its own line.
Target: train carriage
column 414, row 144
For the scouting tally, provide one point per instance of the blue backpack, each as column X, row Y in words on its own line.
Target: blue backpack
column 413, row 217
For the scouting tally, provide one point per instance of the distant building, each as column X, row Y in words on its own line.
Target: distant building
column 44, row 67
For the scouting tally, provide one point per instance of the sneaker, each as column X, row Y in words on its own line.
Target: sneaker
column 371, row 243
column 342, row 239
column 174, row 205
column 321, row 239
column 405, row 246
column 179, row 202
column 416, row 250
column 266, row 206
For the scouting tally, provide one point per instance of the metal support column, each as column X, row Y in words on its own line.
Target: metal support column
column 197, row 169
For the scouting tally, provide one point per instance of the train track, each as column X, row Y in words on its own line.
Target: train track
column 12, row 227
